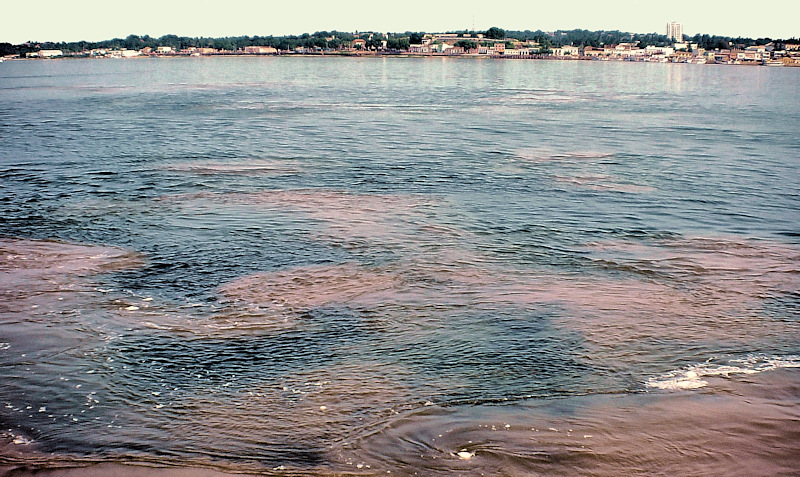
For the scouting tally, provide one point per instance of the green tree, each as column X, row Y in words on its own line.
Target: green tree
column 222, row 44
column 8, row 49
column 467, row 44
column 376, row 42
column 395, row 43
column 495, row 33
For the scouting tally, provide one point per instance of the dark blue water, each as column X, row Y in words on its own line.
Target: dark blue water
column 321, row 263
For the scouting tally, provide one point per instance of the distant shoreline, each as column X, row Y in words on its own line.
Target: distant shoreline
column 389, row 55
column 495, row 43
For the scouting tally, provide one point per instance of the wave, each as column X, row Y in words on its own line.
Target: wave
column 544, row 155
column 246, row 167
column 695, row 376
column 603, row 183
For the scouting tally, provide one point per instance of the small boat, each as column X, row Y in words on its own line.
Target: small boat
column 773, row 63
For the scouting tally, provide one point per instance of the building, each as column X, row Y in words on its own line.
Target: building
column 126, row 53
column 440, row 47
column 260, row 50
column 628, row 51
column 651, row 50
column 50, row 53
column 451, row 37
column 517, row 52
column 675, row 31
column 163, row 50
column 756, row 53
column 593, row 52
column 566, row 50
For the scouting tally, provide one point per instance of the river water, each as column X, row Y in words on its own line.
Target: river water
column 399, row 266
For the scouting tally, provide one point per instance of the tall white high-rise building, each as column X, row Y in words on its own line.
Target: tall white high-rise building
column 675, row 31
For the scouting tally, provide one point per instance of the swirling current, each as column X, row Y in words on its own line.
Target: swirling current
column 405, row 266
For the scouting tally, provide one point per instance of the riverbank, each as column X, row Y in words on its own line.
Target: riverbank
column 788, row 63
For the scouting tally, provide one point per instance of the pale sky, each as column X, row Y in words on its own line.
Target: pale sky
column 94, row 20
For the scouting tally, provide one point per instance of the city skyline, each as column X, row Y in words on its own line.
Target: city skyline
column 95, row 20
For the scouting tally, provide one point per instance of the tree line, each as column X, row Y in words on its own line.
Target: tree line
column 394, row 41
column 596, row 39
column 323, row 39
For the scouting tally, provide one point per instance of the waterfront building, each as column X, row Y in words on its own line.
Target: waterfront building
column 675, row 31
column 419, row 49
column 440, row 47
column 125, row 53
column 260, row 50
column 517, row 52
column 566, row 50
column 593, row 52
column 658, row 50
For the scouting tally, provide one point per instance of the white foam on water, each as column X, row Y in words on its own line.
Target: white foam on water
column 693, row 376
column 20, row 440
column 464, row 454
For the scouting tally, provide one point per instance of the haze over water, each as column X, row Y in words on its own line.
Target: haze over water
column 428, row 266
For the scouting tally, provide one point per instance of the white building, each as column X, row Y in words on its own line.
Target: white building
column 50, row 53
column 675, row 31
column 517, row 52
column 441, row 47
column 566, row 51
column 124, row 53
column 659, row 50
